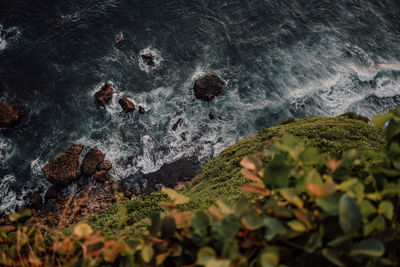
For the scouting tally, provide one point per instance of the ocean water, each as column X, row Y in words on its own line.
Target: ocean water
column 279, row 59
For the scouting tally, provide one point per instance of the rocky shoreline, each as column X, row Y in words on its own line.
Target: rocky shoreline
column 92, row 188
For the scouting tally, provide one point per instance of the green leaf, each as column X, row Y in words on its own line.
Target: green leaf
column 274, row 228
column 204, row 255
column 367, row 208
column 277, row 172
column 381, row 119
column 377, row 224
column 175, row 196
column 168, row 227
column 339, row 240
column 349, row 214
column 386, row 208
column 147, row 253
column 227, row 228
column 369, row 247
column 199, row 220
column 291, row 197
column 314, row 242
column 297, row 226
column 269, row 258
column 331, row 255
column 155, row 223
column 251, row 163
column 218, row 263
column 329, row 204
column 252, row 221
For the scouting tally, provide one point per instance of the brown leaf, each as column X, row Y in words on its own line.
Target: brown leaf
column 303, row 216
column 325, row 190
column 111, row 250
column 258, row 189
column 251, row 176
column 333, row 164
column 160, row 258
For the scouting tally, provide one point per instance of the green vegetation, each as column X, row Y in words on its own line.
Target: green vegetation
column 308, row 208
column 221, row 179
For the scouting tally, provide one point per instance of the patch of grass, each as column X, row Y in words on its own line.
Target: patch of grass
column 221, row 179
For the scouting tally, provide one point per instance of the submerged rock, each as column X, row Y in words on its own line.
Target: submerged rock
column 170, row 175
column 63, row 169
column 105, row 94
column 141, row 110
column 9, row 114
column 176, row 125
column 148, row 58
column 91, row 160
column 211, row 115
column 183, row 136
column 126, row 104
column 208, row 87
column 105, row 165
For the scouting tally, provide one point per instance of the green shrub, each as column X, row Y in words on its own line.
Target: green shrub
column 309, row 209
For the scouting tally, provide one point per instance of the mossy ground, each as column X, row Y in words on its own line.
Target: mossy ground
column 221, row 179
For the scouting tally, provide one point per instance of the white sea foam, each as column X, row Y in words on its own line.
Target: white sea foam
column 9, row 200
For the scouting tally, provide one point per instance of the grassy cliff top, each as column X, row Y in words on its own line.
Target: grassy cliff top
column 221, row 179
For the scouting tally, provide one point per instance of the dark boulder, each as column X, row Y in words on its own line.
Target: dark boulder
column 126, row 104
column 9, row 114
column 91, row 160
column 183, row 136
column 148, row 58
column 52, row 193
column 105, row 94
column 176, row 125
column 211, row 115
column 105, row 165
column 141, row 110
column 63, row 169
column 208, row 87
column 171, row 174
column 35, row 199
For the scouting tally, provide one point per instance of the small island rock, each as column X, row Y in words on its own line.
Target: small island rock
column 148, row 58
column 126, row 104
column 105, row 94
column 208, row 87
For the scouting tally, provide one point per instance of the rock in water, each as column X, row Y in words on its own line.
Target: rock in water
column 91, row 160
column 105, row 166
column 62, row 170
column 104, row 94
column 208, row 87
column 126, row 104
column 141, row 110
column 9, row 114
column 148, row 58
column 176, row 125
column 211, row 115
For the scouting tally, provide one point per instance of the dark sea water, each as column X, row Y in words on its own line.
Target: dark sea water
column 279, row 58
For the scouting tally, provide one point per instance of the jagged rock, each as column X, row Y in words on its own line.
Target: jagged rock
column 35, row 199
column 211, row 115
column 101, row 176
column 220, row 117
column 175, row 126
column 148, row 58
column 52, row 193
column 9, row 114
column 91, row 160
column 141, row 110
column 105, row 94
column 171, row 174
column 105, row 165
column 62, row 170
column 208, row 87
column 126, row 104
column 183, row 136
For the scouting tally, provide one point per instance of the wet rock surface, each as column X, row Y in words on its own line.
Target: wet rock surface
column 9, row 114
column 148, row 58
column 126, row 104
column 141, row 110
column 208, row 87
column 104, row 95
column 105, row 165
column 91, row 160
column 177, row 124
column 52, row 193
column 63, row 169
column 101, row 176
column 35, row 199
